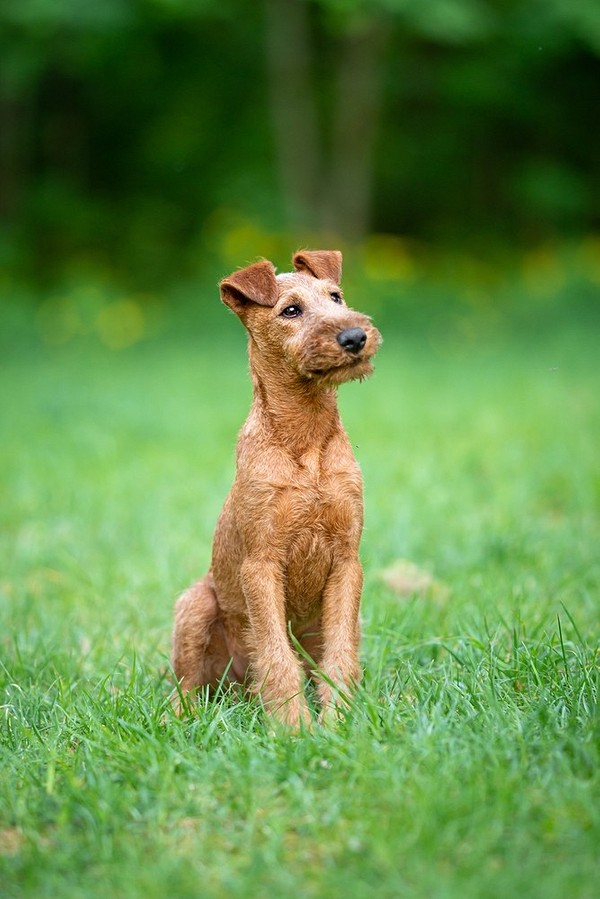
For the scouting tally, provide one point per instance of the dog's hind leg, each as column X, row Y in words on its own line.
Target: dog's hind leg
column 200, row 655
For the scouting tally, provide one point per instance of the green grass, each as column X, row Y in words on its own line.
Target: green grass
column 469, row 763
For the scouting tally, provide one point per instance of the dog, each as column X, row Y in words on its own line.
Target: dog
column 282, row 595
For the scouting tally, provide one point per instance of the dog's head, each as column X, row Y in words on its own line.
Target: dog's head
column 300, row 319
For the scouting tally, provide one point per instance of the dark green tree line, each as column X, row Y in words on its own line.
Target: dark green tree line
column 125, row 125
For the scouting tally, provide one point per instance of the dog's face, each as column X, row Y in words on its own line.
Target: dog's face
column 300, row 319
column 320, row 336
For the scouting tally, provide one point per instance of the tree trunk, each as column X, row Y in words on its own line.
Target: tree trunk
column 14, row 118
column 354, row 130
column 331, row 190
column 293, row 108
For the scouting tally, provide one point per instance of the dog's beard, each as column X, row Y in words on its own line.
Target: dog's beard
column 323, row 362
column 349, row 370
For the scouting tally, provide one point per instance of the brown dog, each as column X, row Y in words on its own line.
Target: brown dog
column 285, row 552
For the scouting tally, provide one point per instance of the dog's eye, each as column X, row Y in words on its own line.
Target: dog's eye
column 336, row 297
column 291, row 312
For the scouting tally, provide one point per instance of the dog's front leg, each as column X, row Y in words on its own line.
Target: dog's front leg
column 276, row 671
column 341, row 631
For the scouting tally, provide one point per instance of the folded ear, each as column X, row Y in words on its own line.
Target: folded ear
column 320, row 263
column 254, row 284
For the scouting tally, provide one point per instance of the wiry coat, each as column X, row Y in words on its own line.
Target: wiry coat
column 285, row 551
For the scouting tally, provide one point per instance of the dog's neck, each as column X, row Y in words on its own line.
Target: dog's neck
column 301, row 416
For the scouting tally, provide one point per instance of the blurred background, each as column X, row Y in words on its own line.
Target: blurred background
column 451, row 148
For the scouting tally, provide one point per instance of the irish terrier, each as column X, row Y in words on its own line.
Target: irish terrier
column 285, row 553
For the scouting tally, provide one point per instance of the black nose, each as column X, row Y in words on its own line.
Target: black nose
column 352, row 339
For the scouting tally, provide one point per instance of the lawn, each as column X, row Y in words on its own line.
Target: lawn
column 468, row 765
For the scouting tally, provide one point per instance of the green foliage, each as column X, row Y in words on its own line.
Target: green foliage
column 129, row 125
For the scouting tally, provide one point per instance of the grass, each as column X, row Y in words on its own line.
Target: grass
column 468, row 765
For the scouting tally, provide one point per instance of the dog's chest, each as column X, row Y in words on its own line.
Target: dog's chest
column 318, row 518
column 307, row 568
column 320, row 503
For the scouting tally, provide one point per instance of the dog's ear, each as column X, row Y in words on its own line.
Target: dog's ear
column 320, row 263
column 255, row 284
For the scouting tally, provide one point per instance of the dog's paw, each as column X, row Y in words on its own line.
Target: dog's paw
column 291, row 714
